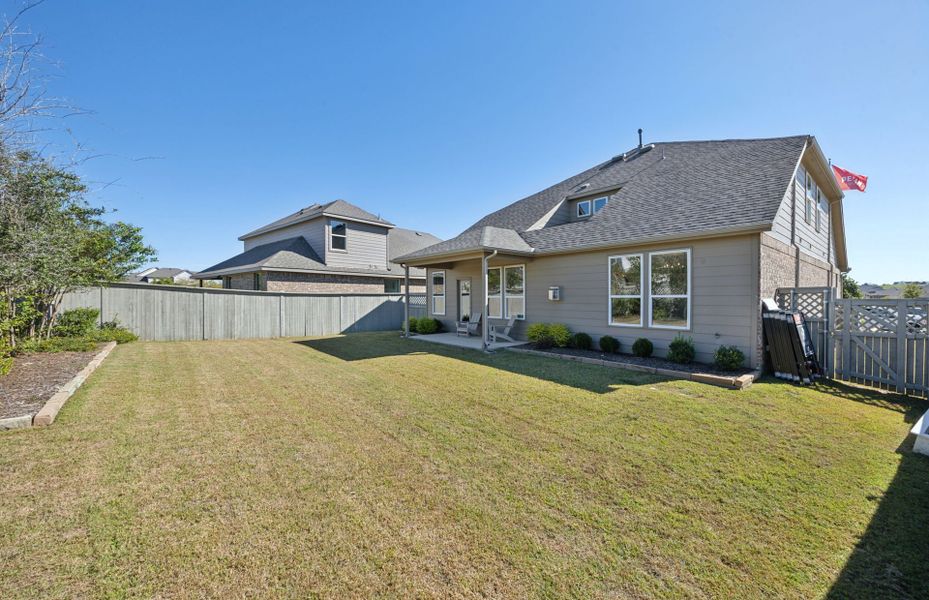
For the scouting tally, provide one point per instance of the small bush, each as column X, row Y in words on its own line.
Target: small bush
column 560, row 333
column 76, row 322
column 6, row 360
column 427, row 325
column 414, row 323
column 681, row 350
column 609, row 344
column 539, row 334
column 120, row 335
column 728, row 358
column 57, row 344
column 581, row 341
column 643, row 348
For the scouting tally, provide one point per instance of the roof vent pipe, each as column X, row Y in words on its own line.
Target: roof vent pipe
column 640, row 138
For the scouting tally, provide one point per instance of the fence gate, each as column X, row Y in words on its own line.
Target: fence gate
column 879, row 343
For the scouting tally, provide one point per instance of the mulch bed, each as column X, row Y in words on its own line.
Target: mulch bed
column 35, row 378
column 630, row 359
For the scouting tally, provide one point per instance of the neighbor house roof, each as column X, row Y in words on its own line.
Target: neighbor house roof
column 164, row 273
column 336, row 208
column 295, row 254
column 671, row 190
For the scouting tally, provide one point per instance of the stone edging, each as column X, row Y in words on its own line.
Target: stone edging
column 48, row 412
column 733, row 383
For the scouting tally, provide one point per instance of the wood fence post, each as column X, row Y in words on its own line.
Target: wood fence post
column 900, row 367
column 846, row 339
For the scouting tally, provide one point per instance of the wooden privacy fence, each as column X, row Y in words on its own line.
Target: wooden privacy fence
column 880, row 343
column 155, row 312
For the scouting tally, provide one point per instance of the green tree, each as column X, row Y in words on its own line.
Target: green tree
column 51, row 242
column 912, row 290
column 850, row 287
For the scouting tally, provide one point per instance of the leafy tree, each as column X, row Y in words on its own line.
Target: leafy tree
column 51, row 242
column 850, row 287
column 912, row 290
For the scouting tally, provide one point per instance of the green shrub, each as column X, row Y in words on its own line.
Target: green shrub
column 609, row 344
column 76, row 322
column 414, row 323
column 539, row 334
column 560, row 333
column 642, row 348
column 57, row 344
column 427, row 325
column 581, row 341
column 120, row 335
column 6, row 360
column 728, row 358
column 681, row 350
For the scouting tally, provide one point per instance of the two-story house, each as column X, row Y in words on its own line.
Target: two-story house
column 328, row 248
column 665, row 239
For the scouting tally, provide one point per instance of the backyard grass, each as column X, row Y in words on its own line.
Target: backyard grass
column 368, row 465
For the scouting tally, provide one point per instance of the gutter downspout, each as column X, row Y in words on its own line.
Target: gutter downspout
column 485, row 327
column 406, row 300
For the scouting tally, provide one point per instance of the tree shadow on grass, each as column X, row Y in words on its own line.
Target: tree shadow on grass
column 891, row 560
column 593, row 378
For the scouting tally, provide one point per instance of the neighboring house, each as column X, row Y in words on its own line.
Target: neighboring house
column 891, row 291
column 154, row 274
column 334, row 247
column 666, row 239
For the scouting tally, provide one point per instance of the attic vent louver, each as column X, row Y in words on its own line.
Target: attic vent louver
column 637, row 152
column 582, row 187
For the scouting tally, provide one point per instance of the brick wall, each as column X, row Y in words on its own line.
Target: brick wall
column 785, row 266
column 279, row 281
column 242, row 281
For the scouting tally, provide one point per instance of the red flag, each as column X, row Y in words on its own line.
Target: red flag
column 848, row 180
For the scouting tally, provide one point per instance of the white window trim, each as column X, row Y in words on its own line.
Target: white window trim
column 593, row 205
column 688, row 295
column 488, row 296
column 807, row 205
column 590, row 208
column 506, row 296
column 332, row 235
column 611, row 296
column 443, row 294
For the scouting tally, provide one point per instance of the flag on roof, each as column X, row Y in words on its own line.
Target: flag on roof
column 848, row 180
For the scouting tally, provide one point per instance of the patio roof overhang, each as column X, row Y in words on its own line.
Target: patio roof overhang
column 458, row 256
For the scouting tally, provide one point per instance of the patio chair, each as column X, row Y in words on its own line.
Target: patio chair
column 502, row 332
column 470, row 327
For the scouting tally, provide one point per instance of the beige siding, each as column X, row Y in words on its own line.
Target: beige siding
column 314, row 231
column 724, row 295
column 366, row 247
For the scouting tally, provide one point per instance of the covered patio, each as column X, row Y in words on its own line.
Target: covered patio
column 460, row 341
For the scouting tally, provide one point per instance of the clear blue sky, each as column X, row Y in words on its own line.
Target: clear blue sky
column 433, row 114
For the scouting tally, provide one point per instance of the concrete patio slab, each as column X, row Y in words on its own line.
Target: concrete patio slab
column 460, row 341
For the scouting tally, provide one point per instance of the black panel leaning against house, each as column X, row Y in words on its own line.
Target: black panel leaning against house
column 335, row 247
column 667, row 238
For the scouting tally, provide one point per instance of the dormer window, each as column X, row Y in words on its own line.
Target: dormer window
column 585, row 208
column 337, row 235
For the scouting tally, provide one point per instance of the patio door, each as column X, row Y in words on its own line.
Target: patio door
column 464, row 299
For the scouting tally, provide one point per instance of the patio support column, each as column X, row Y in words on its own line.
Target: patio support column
column 406, row 301
column 485, row 327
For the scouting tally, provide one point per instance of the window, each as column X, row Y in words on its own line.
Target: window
column 256, row 281
column 626, row 290
column 669, row 274
column 494, row 293
column 338, row 237
column 438, row 292
column 599, row 203
column 819, row 201
column 515, row 292
column 583, row 209
column 810, row 199
column 391, row 286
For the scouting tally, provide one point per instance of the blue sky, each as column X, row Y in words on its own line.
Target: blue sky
column 433, row 114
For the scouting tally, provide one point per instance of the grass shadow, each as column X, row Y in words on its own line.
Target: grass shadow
column 593, row 378
column 911, row 408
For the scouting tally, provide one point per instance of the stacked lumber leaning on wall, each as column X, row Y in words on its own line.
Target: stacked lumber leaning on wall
column 788, row 344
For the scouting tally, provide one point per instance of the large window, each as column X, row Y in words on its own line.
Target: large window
column 338, row 237
column 438, row 292
column 626, row 290
column 391, row 286
column 515, row 291
column 494, row 293
column 506, row 292
column 669, row 301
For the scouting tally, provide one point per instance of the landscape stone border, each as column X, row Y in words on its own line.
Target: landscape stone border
column 733, row 383
column 48, row 412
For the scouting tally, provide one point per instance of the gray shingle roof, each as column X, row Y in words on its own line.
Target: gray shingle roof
column 677, row 189
column 165, row 273
column 403, row 241
column 336, row 208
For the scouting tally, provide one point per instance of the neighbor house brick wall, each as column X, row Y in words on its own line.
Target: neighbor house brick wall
column 242, row 281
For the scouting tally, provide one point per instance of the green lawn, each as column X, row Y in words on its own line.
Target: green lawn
column 370, row 465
